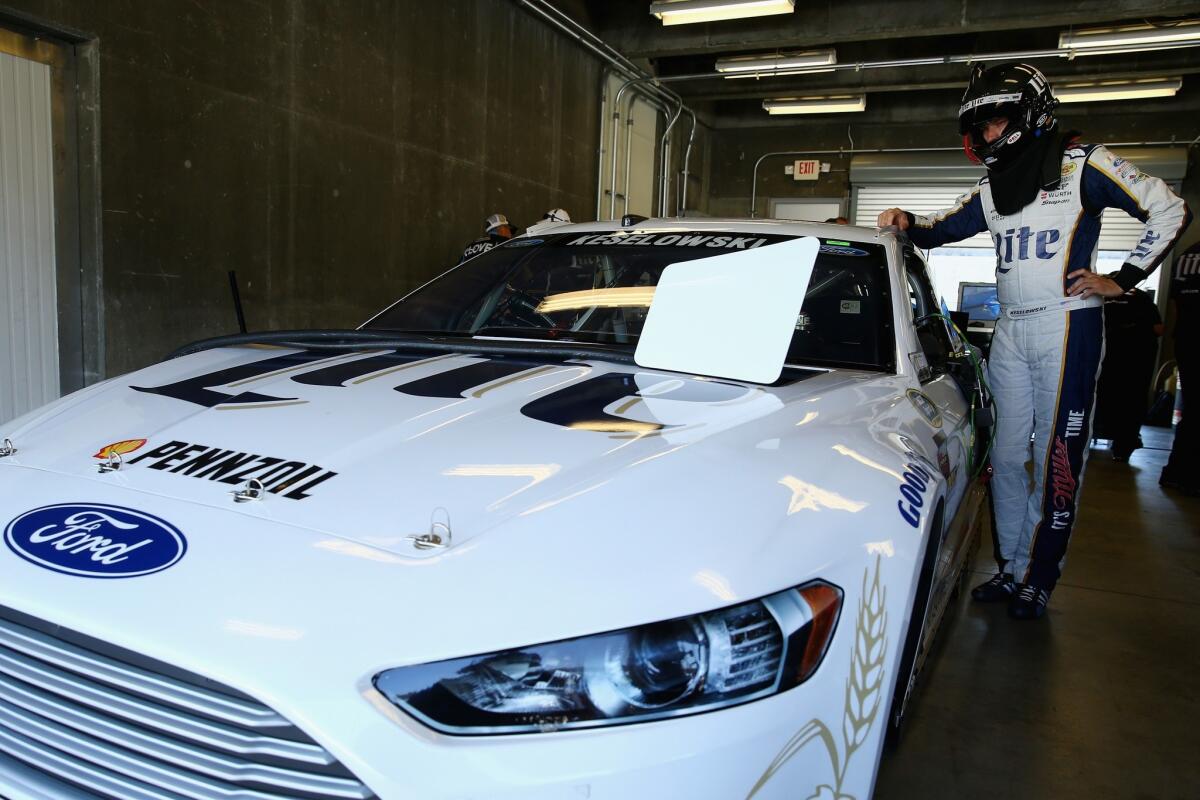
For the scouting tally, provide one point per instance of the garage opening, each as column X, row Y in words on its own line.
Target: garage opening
column 51, row 338
column 28, row 297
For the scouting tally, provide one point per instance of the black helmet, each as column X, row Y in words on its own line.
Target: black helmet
column 1017, row 92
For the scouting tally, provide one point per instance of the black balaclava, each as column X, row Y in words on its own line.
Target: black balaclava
column 1038, row 168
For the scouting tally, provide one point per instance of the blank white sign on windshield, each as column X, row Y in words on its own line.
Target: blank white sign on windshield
column 729, row 316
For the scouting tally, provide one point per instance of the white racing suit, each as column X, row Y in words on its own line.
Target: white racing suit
column 1046, row 353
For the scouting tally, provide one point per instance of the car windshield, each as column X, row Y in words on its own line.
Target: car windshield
column 597, row 289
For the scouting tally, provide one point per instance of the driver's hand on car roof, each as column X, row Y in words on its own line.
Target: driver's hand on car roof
column 894, row 216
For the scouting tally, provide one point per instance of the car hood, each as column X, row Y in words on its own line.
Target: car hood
column 547, row 478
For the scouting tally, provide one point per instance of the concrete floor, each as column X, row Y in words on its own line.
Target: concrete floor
column 1099, row 699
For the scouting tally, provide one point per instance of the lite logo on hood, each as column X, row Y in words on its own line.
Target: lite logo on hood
column 95, row 541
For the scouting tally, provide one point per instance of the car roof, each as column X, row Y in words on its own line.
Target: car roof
column 850, row 233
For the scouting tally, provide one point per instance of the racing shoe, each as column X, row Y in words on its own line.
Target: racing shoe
column 1029, row 602
column 999, row 587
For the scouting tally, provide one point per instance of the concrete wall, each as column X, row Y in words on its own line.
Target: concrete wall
column 335, row 154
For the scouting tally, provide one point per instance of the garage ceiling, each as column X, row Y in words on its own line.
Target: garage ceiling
column 877, row 30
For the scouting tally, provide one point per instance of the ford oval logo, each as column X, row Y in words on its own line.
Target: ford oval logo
column 95, row 541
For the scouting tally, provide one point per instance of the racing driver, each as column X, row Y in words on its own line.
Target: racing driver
column 1041, row 200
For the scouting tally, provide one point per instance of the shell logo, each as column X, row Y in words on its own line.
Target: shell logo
column 119, row 448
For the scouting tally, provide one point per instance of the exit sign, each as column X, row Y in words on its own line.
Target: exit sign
column 806, row 170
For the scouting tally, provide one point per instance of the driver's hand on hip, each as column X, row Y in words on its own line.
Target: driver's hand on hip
column 895, row 217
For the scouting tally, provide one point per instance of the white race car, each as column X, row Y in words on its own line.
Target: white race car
column 668, row 508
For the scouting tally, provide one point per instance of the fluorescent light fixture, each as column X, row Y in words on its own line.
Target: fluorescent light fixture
column 834, row 104
column 805, row 63
column 1093, row 41
column 1118, row 90
column 686, row 12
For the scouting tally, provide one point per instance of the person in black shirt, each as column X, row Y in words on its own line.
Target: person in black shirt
column 1182, row 471
column 496, row 229
column 1132, row 326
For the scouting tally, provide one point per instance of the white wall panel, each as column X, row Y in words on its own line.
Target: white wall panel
column 28, row 306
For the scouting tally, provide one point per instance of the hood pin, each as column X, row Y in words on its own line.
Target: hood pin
column 252, row 489
column 112, row 464
column 7, row 449
column 439, row 536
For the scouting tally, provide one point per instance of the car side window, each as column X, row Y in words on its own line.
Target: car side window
column 931, row 328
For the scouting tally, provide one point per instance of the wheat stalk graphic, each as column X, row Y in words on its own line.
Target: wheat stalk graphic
column 864, row 687
column 864, row 695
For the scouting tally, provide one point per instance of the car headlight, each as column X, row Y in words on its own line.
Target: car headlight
column 682, row 666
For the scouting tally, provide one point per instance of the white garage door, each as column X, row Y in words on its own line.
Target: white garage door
column 28, row 305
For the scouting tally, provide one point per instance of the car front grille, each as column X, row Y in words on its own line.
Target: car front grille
column 120, row 726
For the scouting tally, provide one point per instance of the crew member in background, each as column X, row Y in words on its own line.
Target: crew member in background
column 1042, row 200
column 551, row 219
column 1132, row 326
column 1182, row 471
column 496, row 229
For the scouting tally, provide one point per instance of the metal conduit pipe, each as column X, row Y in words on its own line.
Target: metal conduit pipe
column 962, row 58
column 687, row 155
column 661, row 109
column 573, row 29
column 616, row 127
column 604, row 73
column 765, row 156
column 863, row 150
column 576, row 31
column 583, row 36
column 664, row 149
column 635, row 84
column 589, row 40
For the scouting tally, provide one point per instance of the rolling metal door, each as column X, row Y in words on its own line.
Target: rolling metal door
column 870, row 200
column 29, row 369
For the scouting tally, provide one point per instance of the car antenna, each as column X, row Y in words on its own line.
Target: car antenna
column 237, row 300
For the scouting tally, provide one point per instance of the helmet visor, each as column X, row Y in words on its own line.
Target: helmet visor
column 989, row 131
column 983, row 109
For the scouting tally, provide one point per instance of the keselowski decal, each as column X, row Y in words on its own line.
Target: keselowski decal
column 717, row 242
column 291, row 479
column 122, row 448
column 90, row 540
